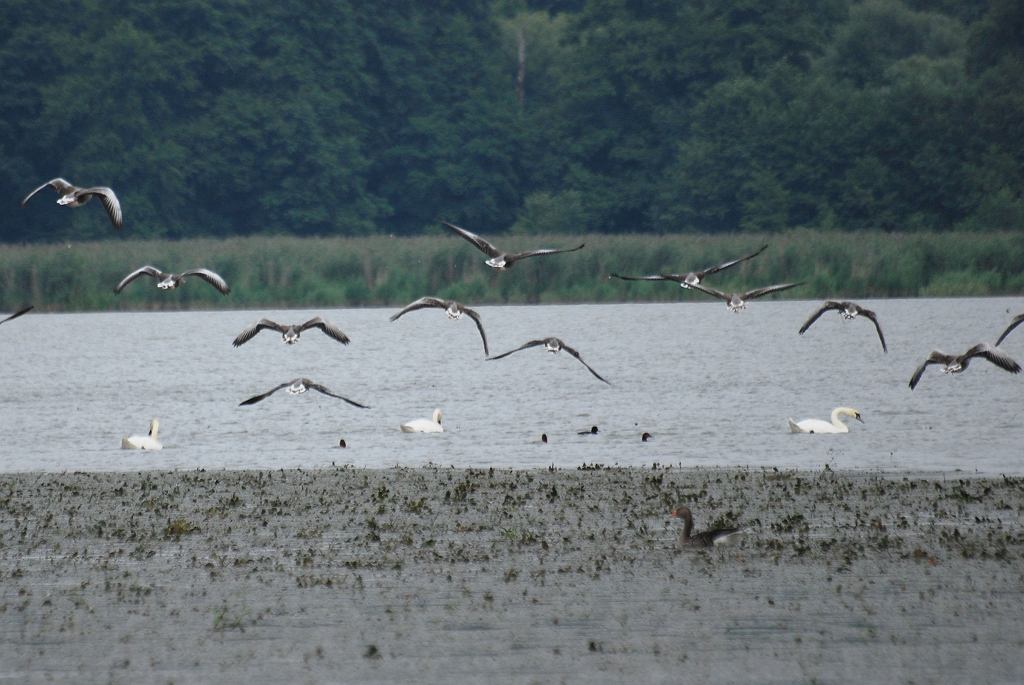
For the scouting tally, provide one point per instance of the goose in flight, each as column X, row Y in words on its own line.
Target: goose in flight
column 819, row 426
column 692, row 277
column 848, row 310
column 169, row 281
column 707, row 538
column 958, row 363
column 144, row 442
column 73, row 196
column 1014, row 322
column 290, row 334
column 552, row 345
column 454, row 310
column 298, row 386
column 18, row 313
column 737, row 301
column 498, row 259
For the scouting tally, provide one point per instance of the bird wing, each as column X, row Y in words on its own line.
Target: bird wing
column 935, row 357
column 319, row 388
column 329, row 329
column 768, row 289
column 994, row 355
column 509, row 258
column 1016, row 321
column 141, row 271
column 258, row 398
column 829, row 304
column 715, row 269
column 110, row 203
column 711, row 291
column 420, row 304
column 59, row 184
column 532, row 343
column 874, row 319
column 481, row 244
column 210, row 277
column 250, row 332
column 577, row 355
column 657, row 277
column 18, row 313
column 471, row 313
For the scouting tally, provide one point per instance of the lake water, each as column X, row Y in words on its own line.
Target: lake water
column 714, row 388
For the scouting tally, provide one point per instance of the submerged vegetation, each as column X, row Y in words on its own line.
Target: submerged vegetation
column 378, row 271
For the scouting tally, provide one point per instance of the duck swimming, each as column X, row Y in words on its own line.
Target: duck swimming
column 169, row 281
column 737, row 301
column 692, row 277
column 552, row 345
column 73, row 196
column 298, row 386
column 498, row 259
column 290, row 334
column 18, row 313
column 454, row 310
column 819, row 426
column 958, row 363
column 848, row 310
column 431, row 425
column 707, row 538
column 144, row 442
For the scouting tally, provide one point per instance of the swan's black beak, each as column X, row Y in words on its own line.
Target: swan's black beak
column 857, row 416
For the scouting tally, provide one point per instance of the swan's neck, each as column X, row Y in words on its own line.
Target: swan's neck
column 837, row 422
column 154, row 428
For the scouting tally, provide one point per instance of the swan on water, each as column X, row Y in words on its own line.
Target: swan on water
column 290, row 333
column 144, row 442
column 298, row 386
column 819, row 426
column 848, row 310
column 552, row 345
column 170, row 281
column 706, row 538
column 737, row 301
column 454, row 309
column 73, row 196
column 692, row 277
column 958, row 363
column 498, row 259
column 431, row 425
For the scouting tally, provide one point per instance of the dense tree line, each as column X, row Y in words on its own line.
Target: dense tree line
column 335, row 117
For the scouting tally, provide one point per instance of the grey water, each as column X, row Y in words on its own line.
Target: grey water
column 714, row 389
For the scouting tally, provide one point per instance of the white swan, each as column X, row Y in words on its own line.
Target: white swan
column 144, row 442
column 432, row 425
column 819, row 426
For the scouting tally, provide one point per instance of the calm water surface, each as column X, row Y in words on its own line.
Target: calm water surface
column 714, row 388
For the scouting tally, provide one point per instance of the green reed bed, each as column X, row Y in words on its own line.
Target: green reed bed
column 376, row 271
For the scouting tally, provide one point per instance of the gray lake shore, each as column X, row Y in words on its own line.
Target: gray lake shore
column 452, row 575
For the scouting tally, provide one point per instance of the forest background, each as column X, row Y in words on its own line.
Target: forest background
column 303, row 148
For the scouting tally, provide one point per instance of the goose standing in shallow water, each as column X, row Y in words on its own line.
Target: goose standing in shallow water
column 552, row 345
column 431, row 425
column 454, row 310
column 737, row 301
column 498, row 259
column 18, row 313
column 848, row 310
column 298, row 386
column 169, row 281
column 819, row 426
column 1014, row 322
column 693, row 277
column 707, row 538
column 958, row 363
column 144, row 442
column 290, row 334
column 73, row 196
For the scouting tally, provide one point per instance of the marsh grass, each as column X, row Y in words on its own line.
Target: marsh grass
column 388, row 271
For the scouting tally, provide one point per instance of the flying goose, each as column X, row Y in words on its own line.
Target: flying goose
column 707, row 538
column 737, row 301
column 144, row 442
column 431, row 425
column 454, row 310
column 819, row 426
column 169, row 281
column 958, row 364
column 552, row 345
column 1014, row 322
column 692, row 277
column 498, row 259
column 298, row 386
column 290, row 334
column 18, row 313
column 73, row 196
column 848, row 310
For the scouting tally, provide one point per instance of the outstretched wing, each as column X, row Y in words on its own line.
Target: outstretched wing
column 874, row 319
column 829, row 304
column 421, row 303
column 329, row 329
column 110, row 203
column 935, row 357
column 509, row 258
column 481, row 244
column 59, row 184
column 141, row 271
column 577, row 355
column 259, row 398
column 210, row 277
column 250, row 332
column 711, row 291
column 21, row 311
column 768, row 290
column 715, row 269
column 532, row 343
column 479, row 326
column 658, row 277
column 994, row 355
column 320, row 388
column 1016, row 321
